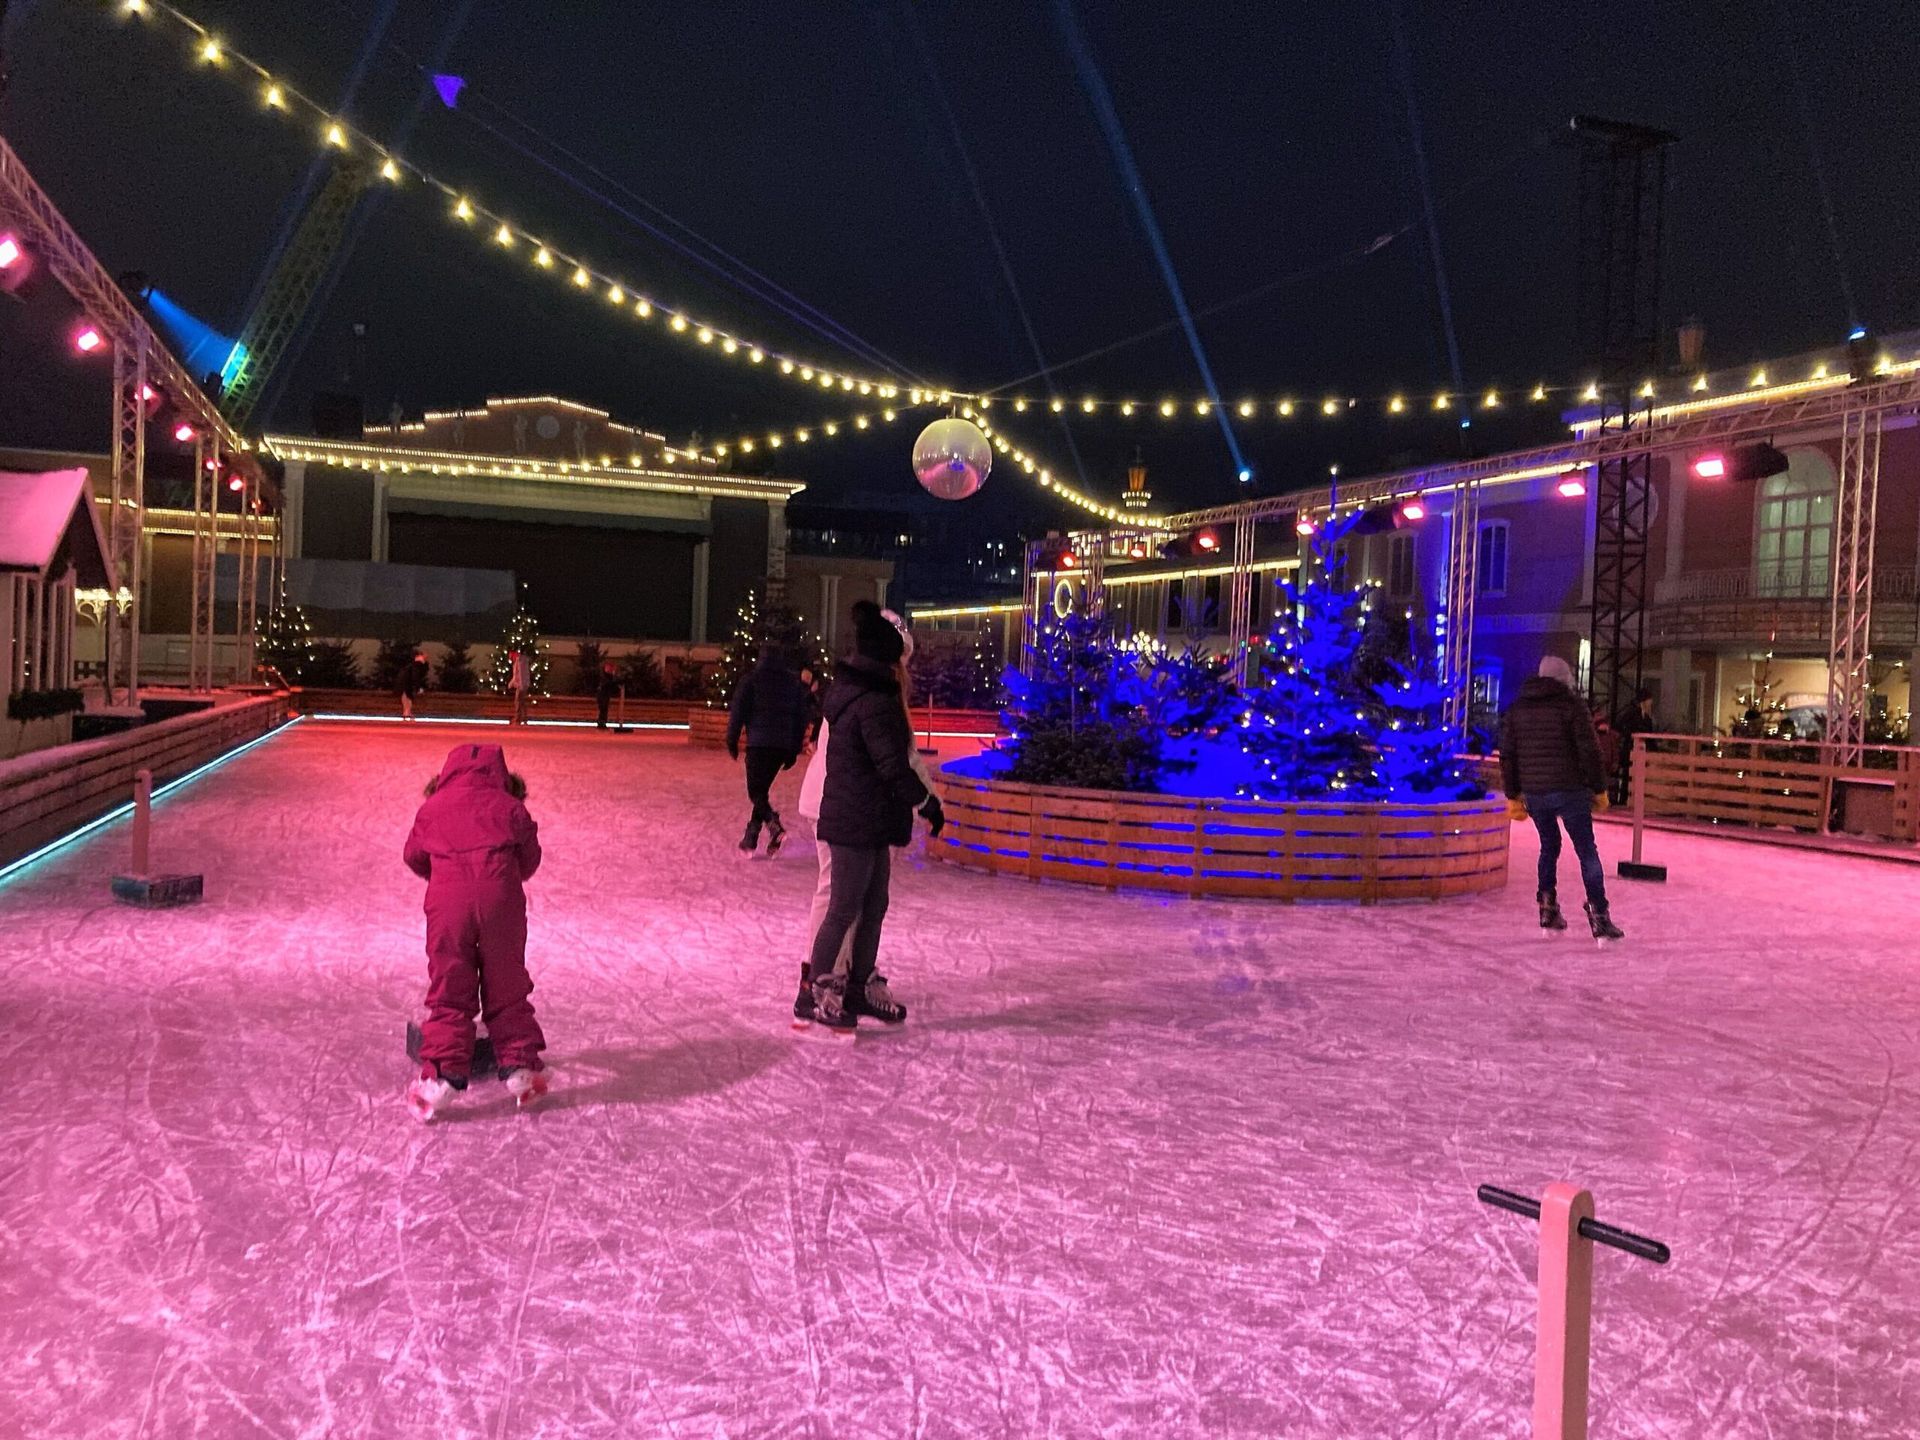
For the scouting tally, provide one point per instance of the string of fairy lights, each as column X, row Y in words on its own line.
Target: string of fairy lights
column 890, row 398
column 280, row 97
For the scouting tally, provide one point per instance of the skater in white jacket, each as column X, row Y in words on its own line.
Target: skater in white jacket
column 812, row 786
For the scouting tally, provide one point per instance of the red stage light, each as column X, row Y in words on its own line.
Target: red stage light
column 1303, row 526
column 1710, row 467
column 1137, row 550
column 1069, row 561
column 10, row 252
column 234, row 482
column 1414, row 509
column 87, row 340
column 1207, row 540
column 1573, row 487
column 183, row 432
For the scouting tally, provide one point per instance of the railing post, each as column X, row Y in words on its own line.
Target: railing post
column 1566, row 1315
column 142, row 821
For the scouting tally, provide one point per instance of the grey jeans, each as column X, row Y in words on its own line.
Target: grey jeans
column 857, row 905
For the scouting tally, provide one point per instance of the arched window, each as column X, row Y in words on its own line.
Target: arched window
column 1793, row 528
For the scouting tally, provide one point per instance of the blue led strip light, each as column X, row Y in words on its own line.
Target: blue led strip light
column 14, row 867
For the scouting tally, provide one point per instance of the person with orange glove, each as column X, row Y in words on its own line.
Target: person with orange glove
column 1553, row 774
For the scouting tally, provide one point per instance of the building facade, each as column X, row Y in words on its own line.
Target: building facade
column 1740, row 573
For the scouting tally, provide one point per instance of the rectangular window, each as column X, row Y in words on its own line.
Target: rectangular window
column 1493, row 558
column 1400, row 567
column 1486, row 689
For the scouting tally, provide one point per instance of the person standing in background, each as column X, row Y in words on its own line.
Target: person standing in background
column 1638, row 721
column 520, row 685
column 604, row 691
column 413, row 679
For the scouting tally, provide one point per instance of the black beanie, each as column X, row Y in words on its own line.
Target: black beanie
column 874, row 636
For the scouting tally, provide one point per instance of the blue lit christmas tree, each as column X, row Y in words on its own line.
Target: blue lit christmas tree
column 1330, row 715
column 1096, row 713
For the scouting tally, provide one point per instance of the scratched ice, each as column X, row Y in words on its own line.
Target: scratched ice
column 1135, row 1167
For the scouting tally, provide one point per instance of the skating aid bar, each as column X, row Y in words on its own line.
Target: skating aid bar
column 1568, row 1233
column 1592, row 1230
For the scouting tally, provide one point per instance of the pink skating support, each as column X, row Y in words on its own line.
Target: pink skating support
column 1566, row 1315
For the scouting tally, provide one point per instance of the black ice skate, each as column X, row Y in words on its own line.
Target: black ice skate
column 776, row 832
column 1550, row 916
column 1602, row 924
column 481, row 1065
column 830, row 1008
column 803, row 1002
column 750, row 841
column 878, row 1002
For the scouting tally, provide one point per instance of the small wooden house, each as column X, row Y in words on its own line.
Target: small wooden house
column 51, row 547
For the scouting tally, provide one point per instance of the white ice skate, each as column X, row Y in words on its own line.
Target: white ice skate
column 528, row 1087
column 427, row 1097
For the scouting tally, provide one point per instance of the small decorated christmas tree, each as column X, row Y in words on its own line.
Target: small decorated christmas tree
column 1333, row 714
column 523, row 634
column 1072, row 711
column 286, row 641
column 756, row 626
column 1306, row 726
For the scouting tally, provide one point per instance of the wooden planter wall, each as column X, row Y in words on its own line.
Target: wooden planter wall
column 1312, row 851
column 47, row 794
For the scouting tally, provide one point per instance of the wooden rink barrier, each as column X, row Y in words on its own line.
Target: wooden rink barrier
column 1780, row 784
column 50, row 792
column 1319, row 850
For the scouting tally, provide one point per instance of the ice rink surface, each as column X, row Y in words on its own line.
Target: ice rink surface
column 1136, row 1167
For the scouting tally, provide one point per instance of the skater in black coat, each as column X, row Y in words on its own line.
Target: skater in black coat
column 605, row 689
column 1553, row 773
column 772, row 712
column 866, row 810
column 411, row 681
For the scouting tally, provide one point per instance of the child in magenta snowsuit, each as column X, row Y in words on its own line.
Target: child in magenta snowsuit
column 475, row 845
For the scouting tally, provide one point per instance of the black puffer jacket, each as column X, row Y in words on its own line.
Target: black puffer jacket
column 871, row 791
column 771, row 708
column 1547, row 743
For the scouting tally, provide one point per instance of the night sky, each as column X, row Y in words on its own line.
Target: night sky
column 809, row 139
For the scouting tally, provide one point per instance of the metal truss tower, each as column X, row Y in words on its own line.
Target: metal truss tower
column 290, row 291
column 1623, row 184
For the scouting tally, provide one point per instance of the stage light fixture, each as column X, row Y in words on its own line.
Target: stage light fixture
column 1572, row 486
column 184, row 433
column 88, row 339
column 1742, row 462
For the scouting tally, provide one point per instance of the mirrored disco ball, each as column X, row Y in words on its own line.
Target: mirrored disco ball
column 951, row 459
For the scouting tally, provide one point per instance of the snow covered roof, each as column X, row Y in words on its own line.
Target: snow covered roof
column 41, row 513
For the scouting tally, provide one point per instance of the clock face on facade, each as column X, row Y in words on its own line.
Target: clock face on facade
column 547, row 427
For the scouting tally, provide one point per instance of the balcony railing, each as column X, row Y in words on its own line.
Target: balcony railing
column 1803, row 580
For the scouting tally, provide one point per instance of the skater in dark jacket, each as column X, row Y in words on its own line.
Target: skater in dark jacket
column 412, row 680
column 1551, row 764
column 772, row 712
column 605, row 689
column 476, row 846
column 866, row 810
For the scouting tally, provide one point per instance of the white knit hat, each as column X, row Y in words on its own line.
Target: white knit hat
column 1554, row 668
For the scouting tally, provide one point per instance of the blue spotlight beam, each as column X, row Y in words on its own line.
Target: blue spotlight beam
column 15, row 867
column 1095, row 84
